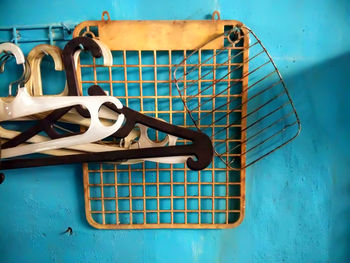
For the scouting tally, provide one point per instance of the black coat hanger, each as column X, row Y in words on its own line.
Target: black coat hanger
column 201, row 146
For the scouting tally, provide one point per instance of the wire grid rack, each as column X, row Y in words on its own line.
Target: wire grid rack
column 155, row 195
column 270, row 119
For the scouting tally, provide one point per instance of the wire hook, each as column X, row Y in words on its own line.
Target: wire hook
column 23, row 79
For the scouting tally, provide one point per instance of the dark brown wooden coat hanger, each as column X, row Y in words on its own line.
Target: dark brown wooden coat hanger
column 201, row 146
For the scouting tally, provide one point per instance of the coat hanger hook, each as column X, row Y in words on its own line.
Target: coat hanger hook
column 23, row 79
column 3, row 61
column 10, row 48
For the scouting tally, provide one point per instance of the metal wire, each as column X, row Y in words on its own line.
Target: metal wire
column 270, row 120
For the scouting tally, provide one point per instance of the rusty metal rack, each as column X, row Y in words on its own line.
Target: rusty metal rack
column 148, row 56
column 216, row 88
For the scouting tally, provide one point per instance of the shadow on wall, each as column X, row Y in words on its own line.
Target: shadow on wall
column 322, row 98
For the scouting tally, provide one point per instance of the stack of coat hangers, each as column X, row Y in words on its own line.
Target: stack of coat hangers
column 103, row 129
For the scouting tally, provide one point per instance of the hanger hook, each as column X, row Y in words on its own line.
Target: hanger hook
column 68, row 54
column 14, row 50
column 3, row 61
column 23, row 79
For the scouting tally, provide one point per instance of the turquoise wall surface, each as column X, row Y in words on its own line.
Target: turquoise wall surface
column 297, row 200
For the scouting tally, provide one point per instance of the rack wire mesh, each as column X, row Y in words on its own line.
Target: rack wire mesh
column 149, row 195
column 271, row 120
column 171, row 82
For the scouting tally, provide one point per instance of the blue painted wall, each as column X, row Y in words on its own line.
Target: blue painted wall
column 298, row 199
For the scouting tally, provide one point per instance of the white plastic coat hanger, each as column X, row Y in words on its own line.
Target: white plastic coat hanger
column 23, row 99
column 34, row 84
column 41, row 142
column 75, row 149
column 9, row 134
column 24, row 105
column 35, row 57
column 14, row 50
column 35, row 88
column 145, row 142
column 201, row 143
